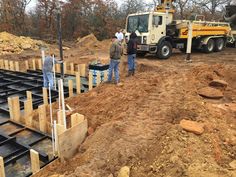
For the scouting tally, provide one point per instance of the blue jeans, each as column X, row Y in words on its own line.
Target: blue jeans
column 48, row 78
column 114, row 65
column 131, row 62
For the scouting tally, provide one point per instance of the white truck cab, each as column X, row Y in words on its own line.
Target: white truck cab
column 150, row 28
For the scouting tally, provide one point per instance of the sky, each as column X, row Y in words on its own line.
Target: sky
column 33, row 3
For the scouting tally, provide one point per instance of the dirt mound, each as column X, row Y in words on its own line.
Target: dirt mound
column 89, row 41
column 137, row 125
column 10, row 44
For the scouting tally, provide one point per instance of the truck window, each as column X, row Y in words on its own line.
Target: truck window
column 138, row 22
column 157, row 20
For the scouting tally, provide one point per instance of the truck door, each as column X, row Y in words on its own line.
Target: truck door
column 158, row 28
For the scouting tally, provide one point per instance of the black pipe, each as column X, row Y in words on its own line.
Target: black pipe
column 60, row 40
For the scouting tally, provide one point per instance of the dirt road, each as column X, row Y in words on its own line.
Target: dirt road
column 137, row 124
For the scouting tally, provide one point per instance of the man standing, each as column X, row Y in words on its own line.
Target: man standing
column 120, row 36
column 115, row 55
column 132, row 51
column 47, row 71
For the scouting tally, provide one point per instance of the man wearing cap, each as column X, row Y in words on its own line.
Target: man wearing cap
column 115, row 56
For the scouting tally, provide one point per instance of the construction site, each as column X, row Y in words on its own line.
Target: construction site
column 175, row 117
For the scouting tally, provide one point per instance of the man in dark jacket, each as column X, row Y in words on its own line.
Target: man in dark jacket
column 115, row 55
column 132, row 51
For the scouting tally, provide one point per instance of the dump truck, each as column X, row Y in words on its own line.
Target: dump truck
column 158, row 33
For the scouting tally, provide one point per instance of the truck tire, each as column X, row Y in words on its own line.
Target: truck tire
column 219, row 44
column 164, row 50
column 209, row 47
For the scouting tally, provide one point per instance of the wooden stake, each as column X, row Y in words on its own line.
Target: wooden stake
column 14, row 108
column 65, row 67
column 45, row 96
column 28, row 110
column 82, row 70
column 35, row 164
column 2, row 168
column 29, row 95
column 11, row 65
column 105, row 76
column 40, row 64
column 72, row 69
column 70, row 84
column 60, row 117
column 42, row 118
column 98, row 78
column 90, row 80
column 78, row 83
column 6, row 63
column 58, row 68
column 76, row 119
column 1, row 64
column 26, row 65
column 33, row 64
column 17, row 66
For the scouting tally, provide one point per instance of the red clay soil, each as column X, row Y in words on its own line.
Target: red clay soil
column 137, row 124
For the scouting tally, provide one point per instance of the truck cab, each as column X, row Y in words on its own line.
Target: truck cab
column 150, row 28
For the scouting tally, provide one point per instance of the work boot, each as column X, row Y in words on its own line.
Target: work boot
column 129, row 73
column 133, row 71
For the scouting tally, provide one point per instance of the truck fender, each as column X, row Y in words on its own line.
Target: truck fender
column 165, row 38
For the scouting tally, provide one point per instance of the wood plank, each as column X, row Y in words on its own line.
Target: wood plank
column 82, row 68
column 69, row 141
column 58, row 68
column 78, row 83
column 98, row 78
column 6, row 64
column 28, row 111
column 14, row 108
column 65, row 68
column 35, row 164
column 12, row 68
column 72, row 68
column 40, row 64
column 42, row 118
column 33, row 64
column 76, row 119
column 26, row 65
column 70, row 84
column 59, row 130
column 60, row 117
column 90, row 80
column 1, row 64
column 45, row 96
column 17, row 66
column 105, row 76
column 29, row 94
column 2, row 168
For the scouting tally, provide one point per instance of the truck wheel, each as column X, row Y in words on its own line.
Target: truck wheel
column 219, row 44
column 164, row 50
column 209, row 47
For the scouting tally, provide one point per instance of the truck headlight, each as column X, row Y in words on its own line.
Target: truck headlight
column 144, row 39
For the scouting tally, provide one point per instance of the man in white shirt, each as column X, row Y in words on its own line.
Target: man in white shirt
column 120, row 35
